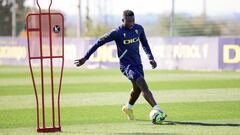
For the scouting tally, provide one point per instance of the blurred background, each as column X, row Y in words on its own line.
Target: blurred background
column 92, row 18
column 201, row 24
column 196, row 44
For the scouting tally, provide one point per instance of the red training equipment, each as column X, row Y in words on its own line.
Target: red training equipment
column 45, row 34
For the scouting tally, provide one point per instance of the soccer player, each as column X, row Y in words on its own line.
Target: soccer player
column 127, row 38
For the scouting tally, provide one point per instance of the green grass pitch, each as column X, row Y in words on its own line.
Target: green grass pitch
column 197, row 102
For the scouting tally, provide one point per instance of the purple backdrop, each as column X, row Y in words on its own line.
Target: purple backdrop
column 229, row 53
column 188, row 53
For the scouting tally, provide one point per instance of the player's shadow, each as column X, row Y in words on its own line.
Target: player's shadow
column 168, row 122
column 198, row 123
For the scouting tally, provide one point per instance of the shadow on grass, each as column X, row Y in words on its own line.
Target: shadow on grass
column 198, row 123
column 168, row 122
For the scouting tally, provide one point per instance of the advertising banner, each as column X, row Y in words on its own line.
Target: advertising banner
column 186, row 53
column 229, row 53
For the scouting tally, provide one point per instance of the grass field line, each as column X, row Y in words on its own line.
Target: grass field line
column 109, row 79
column 113, row 98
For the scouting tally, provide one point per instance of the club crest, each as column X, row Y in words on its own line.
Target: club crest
column 124, row 35
column 136, row 31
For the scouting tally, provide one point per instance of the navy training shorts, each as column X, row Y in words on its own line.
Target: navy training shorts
column 132, row 72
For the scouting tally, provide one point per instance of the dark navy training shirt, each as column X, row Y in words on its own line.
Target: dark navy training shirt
column 127, row 41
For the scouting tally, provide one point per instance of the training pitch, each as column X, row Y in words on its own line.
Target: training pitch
column 202, row 103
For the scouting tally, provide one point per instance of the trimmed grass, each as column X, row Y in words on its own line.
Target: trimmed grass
column 108, row 119
column 124, row 86
column 192, row 111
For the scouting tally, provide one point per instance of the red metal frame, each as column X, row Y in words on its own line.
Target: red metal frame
column 54, row 128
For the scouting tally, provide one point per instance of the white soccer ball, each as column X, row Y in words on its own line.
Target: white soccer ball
column 156, row 117
column 153, row 114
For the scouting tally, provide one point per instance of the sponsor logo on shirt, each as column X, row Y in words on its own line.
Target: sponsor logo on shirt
column 130, row 41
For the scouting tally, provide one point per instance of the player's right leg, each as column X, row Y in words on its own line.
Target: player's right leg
column 128, row 109
column 134, row 95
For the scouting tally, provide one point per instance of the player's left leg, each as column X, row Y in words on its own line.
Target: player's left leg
column 147, row 94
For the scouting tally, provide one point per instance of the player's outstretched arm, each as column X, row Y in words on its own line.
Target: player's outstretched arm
column 101, row 41
column 80, row 62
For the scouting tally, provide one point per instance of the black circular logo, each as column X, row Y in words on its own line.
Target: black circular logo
column 56, row 29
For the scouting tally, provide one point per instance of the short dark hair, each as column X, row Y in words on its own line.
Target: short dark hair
column 128, row 13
